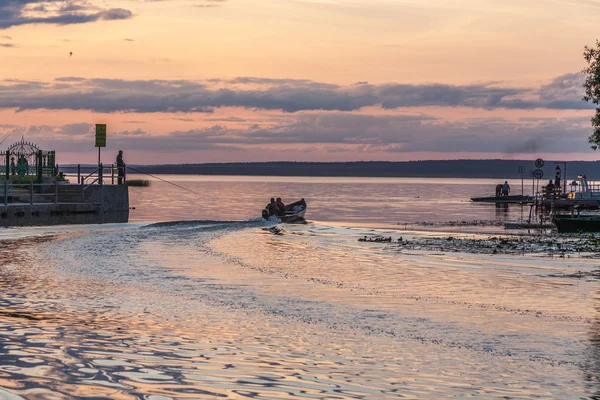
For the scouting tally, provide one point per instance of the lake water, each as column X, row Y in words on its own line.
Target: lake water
column 195, row 298
column 371, row 201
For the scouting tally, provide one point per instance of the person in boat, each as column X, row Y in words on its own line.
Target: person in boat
column 272, row 207
column 281, row 206
column 505, row 189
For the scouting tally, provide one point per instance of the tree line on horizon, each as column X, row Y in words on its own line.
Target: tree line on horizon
column 496, row 169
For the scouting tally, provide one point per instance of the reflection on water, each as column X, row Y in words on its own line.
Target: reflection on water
column 502, row 212
column 218, row 309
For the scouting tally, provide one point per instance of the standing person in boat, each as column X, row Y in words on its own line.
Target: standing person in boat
column 505, row 189
column 272, row 207
column 281, row 206
column 120, row 168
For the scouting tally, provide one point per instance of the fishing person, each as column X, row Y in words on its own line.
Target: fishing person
column 120, row 168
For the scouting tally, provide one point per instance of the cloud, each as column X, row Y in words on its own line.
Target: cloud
column 226, row 119
column 530, row 145
column 305, row 116
column 420, row 133
column 135, row 132
column 346, row 128
column 210, row 4
column 76, row 129
column 8, row 45
column 356, row 134
column 583, row 3
column 564, row 92
column 287, row 95
column 338, row 133
column 25, row 12
column 68, row 132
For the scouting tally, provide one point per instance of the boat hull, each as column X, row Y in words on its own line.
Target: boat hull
column 503, row 199
column 577, row 223
column 294, row 218
column 570, row 203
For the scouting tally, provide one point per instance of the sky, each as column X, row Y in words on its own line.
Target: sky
column 192, row 81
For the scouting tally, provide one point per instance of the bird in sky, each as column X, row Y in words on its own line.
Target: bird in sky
column 70, row 53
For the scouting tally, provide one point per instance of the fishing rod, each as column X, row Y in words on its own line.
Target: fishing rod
column 6, row 137
column 164, row 180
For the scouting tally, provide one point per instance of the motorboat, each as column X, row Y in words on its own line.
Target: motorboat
column 294, row 213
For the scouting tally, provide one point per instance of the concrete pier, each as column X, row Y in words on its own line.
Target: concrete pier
column 62, row 204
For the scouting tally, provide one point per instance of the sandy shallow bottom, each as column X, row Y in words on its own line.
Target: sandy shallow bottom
column 198, row 311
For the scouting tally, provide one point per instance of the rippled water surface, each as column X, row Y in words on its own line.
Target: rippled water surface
column 196, row 298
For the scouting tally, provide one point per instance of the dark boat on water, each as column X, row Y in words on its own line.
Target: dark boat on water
column 573, row 223
column 503, row 199
column 294, row 213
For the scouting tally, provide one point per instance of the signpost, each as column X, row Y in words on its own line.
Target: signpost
column 521, row 171
column 100, row 138
column 539, row 163
column 537, row 174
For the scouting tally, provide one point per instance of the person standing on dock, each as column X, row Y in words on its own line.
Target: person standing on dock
column 505, row 189
column 120, row 168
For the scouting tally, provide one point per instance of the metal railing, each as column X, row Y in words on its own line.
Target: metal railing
column 30, row 193
column 99, row 175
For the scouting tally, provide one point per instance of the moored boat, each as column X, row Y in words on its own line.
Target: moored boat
column 573, row 223
column 584, row 196
column 503, row 199
column 294, row 213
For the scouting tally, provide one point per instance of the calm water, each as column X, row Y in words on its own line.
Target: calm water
column 195, row 299
column 371, row 201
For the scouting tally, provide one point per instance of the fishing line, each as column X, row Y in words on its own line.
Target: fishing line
column 164, row 180
column 6, row 137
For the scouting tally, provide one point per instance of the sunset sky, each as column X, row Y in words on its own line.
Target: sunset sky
column 304, row 80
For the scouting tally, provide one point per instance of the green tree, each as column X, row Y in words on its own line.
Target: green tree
column 592, row 88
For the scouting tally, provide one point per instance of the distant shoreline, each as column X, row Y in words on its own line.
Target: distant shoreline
column 492, row 169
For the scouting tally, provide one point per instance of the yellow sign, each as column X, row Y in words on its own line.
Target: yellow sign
column 100, row 135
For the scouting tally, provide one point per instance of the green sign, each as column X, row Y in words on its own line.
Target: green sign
column 100, row 135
